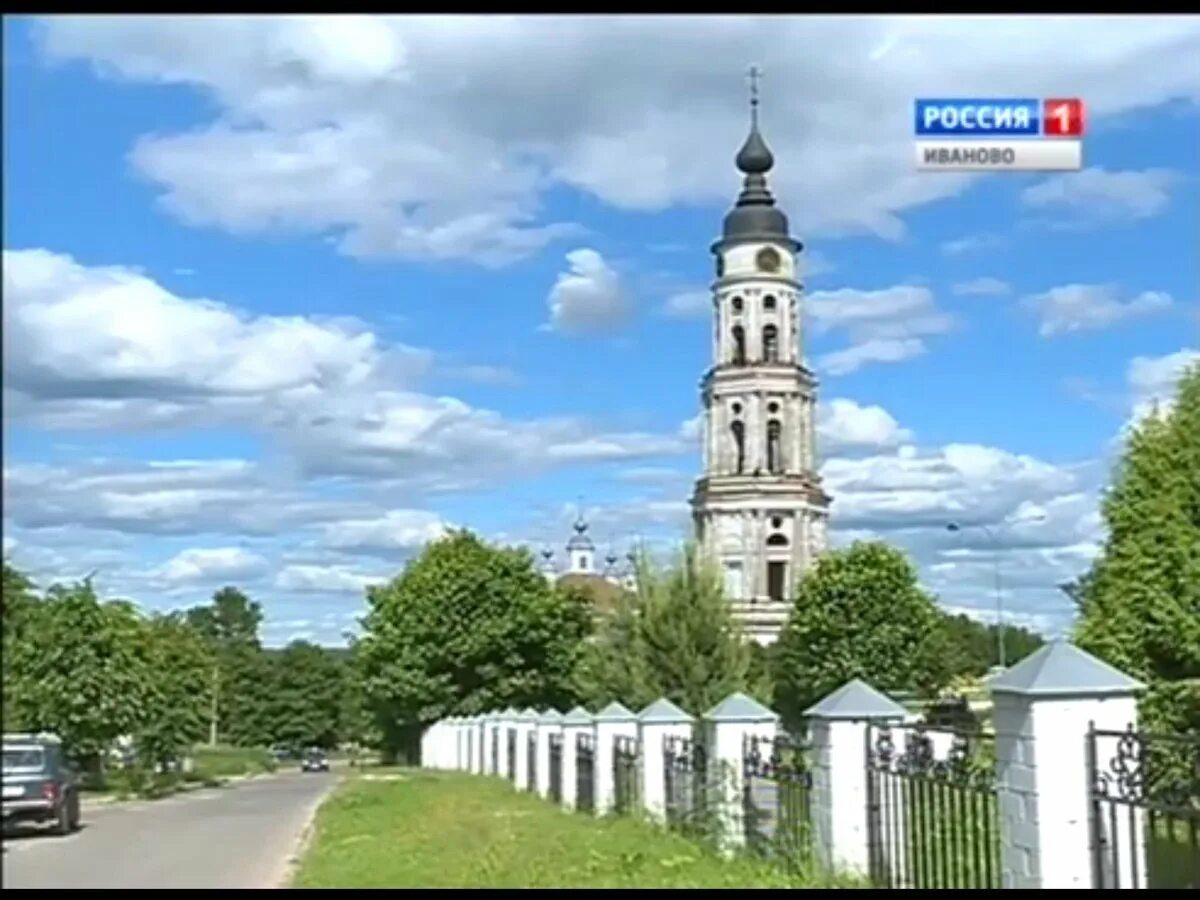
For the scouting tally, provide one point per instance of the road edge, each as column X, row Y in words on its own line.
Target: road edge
column 292, row 862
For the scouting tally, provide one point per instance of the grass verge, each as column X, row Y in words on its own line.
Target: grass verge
column 413, row 828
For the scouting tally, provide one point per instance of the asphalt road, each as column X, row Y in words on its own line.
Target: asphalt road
column 239, row 836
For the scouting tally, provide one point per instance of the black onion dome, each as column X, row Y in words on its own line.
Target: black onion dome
column 754, row 216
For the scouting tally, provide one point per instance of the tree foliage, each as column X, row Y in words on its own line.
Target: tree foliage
column 675, row 637
column 305, row 704
column 80, row 669
column 178, row 691
column 465, row 628
column 859, row 613
column 1139, row 605
column 973, row 645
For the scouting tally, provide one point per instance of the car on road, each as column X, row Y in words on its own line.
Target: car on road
column 40, row 783
column 315, row 761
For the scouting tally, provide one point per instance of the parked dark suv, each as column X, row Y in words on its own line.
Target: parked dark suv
column 40, row 785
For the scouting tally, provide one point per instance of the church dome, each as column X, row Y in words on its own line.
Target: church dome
column 580, row 540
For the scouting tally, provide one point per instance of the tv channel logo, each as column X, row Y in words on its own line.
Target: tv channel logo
column 998, row 118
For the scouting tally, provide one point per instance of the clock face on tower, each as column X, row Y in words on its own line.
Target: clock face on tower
column 768, row 259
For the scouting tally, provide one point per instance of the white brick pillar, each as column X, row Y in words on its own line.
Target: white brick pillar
column 838, row 727
column 526, row 721
column 549, row 723
column 428, row 738
column 611, row 722
column 576, row 722
column 728, row 725
column 1043, row 707
column 660, row 720
column 478, row 739
column 492, row 744
column 508, row 720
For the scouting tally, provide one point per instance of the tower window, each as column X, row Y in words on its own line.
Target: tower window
column 736, row 303
column 737, row 408
column 739, row 444
column 739, row 345
column 772, row 407
column 777, row 540
column 776, row 580
column 771, row 343
column 769, row 301
column 776, row 521
column 774, row 459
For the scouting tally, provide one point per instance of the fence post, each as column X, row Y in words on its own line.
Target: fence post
column 1043, row 708
column 548, row 723
column 491, row 745
column 838, row 725
column 729, row 724
column 508, row 721
column 660, row 720
column 525, row 720
column 611, row 722
column 427, row 739
column 576, row 722
column 479, row 744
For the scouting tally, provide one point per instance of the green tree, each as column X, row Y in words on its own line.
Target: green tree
column 178, row 692
column 973, row 645
column 465, row 628
column 81, row 670
column 19, row 601
column 1139, row 605
column 240, row 673
column 859, row 613
column 675, row 637
column 306, row 698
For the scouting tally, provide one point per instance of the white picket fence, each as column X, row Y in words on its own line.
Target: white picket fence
column 864, row 779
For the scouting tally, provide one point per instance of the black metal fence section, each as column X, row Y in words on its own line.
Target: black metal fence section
column 585, row 773
column 626, row 756
column 685, row 779
column 931, row 808
column 1145, row 816
column 556, row 753
column 777, row 799
column 531, row 761
column 510, row 736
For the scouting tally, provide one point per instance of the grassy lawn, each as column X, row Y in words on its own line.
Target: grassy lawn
column 413, row 828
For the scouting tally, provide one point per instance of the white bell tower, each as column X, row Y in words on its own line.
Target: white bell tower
column 759, row 509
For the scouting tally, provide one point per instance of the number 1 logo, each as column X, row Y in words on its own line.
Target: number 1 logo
column 1063, row 118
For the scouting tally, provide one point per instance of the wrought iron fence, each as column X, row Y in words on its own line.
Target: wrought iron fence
column 626, row 756
column 556, row 751
column 531, row 761
column 685, row 777
column 1145, row 818
column 931, row 808
column 585, row 773
column 777, row 799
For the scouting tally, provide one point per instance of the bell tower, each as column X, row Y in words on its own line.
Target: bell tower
column 759, row 509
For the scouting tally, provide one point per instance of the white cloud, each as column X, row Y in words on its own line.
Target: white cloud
column 1084, row 307
column 325, row 579
column 695, row 304
column 1096, row 196
column 211, row 564
column 407, row 529
column 318, row 133
column 1152, row 379
column 844, row 425
column 985, row 286
column 10, row 544
column 972, row 243
column 482, row 373
column 109, row 348
column 589, row 297
column 884, row 326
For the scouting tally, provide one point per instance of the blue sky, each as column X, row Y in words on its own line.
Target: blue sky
column 285, row 295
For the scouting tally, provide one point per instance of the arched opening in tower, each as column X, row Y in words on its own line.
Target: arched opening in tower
column 770, row 338
column 739, row 345
column 739, row 445
column 774, row 458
